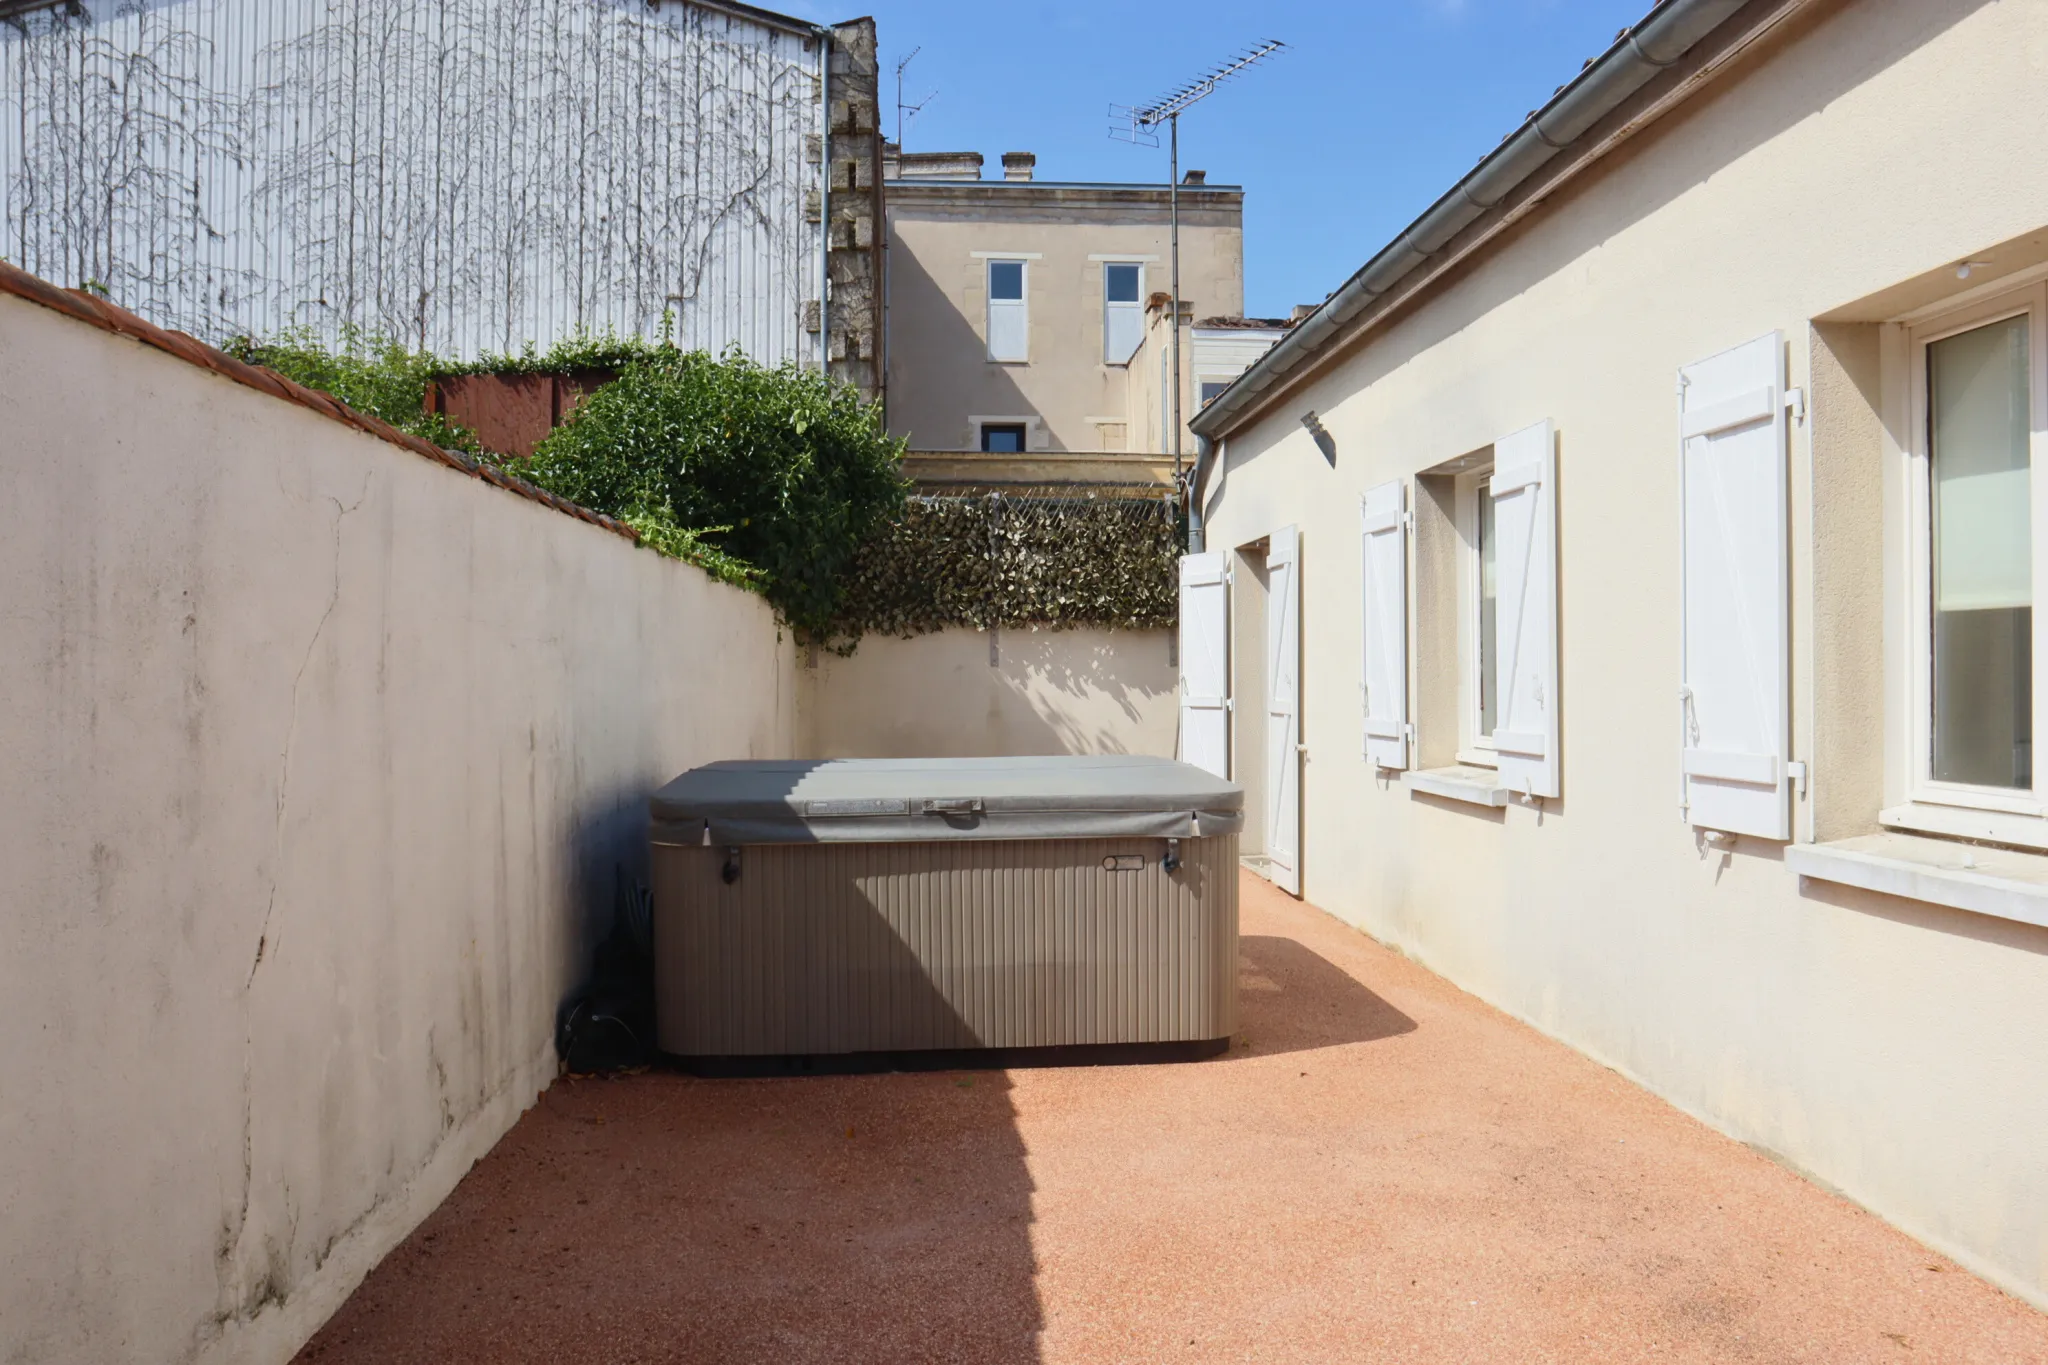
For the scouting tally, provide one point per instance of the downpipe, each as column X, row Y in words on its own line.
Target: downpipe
column 1205, row 455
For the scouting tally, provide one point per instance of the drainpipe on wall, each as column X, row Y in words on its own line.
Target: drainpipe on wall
column 1205, row 453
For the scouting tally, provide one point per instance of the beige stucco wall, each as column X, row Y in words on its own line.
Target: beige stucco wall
column 1085, row 691
column 1893, row 1049
column 319, row 759
column 939, row 371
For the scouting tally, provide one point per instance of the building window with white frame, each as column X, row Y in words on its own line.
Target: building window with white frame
column 1123, row 315
column 1478, row 627
column 1009, row 312
column 1980, row 383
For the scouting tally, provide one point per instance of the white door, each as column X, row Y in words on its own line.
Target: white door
column 1205, row 663
column 1735, row 684
column 1283, row 707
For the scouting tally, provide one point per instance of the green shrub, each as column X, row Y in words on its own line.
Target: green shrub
column 775, row 468
column 778, row 481
column 371, row 374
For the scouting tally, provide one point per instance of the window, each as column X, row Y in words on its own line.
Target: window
column 1002, row 438
column 1211, row 388
column 1123, row 317
column 1478, row 624
column 1484, row 620
column 1009, row 314
column 1980, row 382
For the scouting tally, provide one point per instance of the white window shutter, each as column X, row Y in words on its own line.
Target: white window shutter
column 1283, row 705
column 1735, row 677
column 1009, row 330
column 1524, row 486
column 1123, row 327
column 1383, row 515
column 1009, row 322
column 1204, row 663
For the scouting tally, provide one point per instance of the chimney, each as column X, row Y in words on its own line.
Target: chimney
column 1019, row 165
column 1301, row 311
column 1196, row 178
column 938, row 165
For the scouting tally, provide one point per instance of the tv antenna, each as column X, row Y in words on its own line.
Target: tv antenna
column 912, row 109
column 1139, row 124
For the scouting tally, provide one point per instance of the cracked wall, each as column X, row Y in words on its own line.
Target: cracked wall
column 321, row 769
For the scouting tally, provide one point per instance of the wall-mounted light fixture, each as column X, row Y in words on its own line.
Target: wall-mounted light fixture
column 1324, row 441
column 1963, row 268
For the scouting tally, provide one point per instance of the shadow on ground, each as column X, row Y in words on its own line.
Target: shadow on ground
column 1290, row 999
column 661, row 1217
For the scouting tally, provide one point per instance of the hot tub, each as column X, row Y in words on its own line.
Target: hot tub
column 806, row 909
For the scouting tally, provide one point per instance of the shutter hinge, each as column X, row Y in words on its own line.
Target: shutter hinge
column 1795, row 773
column 1795, row 403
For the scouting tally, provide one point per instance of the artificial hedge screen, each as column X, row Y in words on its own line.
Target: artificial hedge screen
column 1010, row 560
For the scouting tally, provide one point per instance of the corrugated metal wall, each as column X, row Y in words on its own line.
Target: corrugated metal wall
column 464, row 175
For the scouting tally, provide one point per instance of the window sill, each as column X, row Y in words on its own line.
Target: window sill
column 1961, row 822
column 1985, row 881
column 1478, row 786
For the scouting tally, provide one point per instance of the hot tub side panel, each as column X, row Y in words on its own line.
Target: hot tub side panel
column 896, row 947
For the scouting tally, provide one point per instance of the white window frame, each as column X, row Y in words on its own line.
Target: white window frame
column 1136, row 307
column 1997, row 813
column 1474, row 748
column 989, row 262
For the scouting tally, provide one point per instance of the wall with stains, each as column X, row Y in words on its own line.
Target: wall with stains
column 323, row 766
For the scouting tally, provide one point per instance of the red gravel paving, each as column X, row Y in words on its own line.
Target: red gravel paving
column 1384, row 1169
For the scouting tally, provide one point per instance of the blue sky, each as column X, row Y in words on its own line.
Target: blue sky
column 1377, row 108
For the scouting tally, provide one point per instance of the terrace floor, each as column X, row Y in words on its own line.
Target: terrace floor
column 1383, row 1169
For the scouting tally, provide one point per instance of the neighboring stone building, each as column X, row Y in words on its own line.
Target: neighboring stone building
column 1029, row 316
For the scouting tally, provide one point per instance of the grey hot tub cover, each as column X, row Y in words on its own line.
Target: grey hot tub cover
column 892, row 800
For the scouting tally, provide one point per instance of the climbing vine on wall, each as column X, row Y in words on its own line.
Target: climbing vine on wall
column 1011, row 560
column 458, row 174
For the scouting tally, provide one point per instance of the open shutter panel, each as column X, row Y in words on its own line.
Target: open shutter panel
column 1123, row 328
column 1204, row 663
column 1283, row 703
column 1734, row 693
column 1007, row 330
column 1525, row 737
column 1384, row 525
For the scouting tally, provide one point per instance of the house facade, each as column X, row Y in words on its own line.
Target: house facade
column 1029, row 316
column 1618, row 595
column 464, row 176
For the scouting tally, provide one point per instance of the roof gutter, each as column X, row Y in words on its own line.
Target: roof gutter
column 1637, row 57
column 767, row 18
